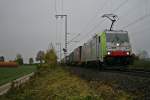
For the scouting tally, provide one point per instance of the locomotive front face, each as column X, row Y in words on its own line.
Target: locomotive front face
column 118, row 43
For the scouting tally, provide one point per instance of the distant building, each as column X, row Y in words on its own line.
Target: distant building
column 2, row 59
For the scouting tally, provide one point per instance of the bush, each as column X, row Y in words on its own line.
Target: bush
column 51, row 58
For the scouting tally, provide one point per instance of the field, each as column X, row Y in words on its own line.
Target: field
column 9, row 74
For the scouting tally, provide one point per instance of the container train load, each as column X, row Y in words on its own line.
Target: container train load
column 109, row 47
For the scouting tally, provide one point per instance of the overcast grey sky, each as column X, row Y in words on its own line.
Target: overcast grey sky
column 27, row 26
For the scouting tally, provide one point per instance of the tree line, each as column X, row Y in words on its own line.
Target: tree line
column 48, row 57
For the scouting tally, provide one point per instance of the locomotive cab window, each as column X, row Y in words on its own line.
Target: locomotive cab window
column 117, row 37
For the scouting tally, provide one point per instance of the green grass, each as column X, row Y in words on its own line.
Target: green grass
column 9, row 74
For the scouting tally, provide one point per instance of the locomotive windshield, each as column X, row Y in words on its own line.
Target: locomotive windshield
column 116, row 37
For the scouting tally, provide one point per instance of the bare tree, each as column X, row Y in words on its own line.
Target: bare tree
column 31, row 61
column 19, row 59
column 40, row 56
column 2, row 59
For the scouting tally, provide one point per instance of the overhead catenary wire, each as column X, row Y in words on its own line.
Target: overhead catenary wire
column 126, row 26
column 58, row 27
column 73, row 38
column 141, row 31
column 137, row 20
column 106, row 1
column 116, row 9
column 120, row 5
column 126, row 15
column 81, row 40
column 55, row 6
column 59, row 9
column 62, row 6
column 146, row 6
column 97, row 25
column 95, row 15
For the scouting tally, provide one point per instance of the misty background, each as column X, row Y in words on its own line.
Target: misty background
column 27, row 26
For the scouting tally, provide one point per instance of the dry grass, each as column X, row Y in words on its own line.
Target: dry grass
column 60, row 84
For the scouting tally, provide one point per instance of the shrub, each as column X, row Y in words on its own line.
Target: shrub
column 51, row 58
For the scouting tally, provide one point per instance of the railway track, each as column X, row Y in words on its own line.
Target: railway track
column 133, row 72
column 131, row 80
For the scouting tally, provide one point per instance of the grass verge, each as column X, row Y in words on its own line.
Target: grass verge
column 9, row 74
column 59, row 84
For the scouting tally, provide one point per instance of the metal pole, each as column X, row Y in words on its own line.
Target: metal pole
column 59, row 49
column 60, row 52
column 66, row 36
column 65, row 52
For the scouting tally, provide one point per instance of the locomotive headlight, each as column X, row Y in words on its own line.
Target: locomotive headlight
column 118, row 44
column 128, row 53
column 108, row 53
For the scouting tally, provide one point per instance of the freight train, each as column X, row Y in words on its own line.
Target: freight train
column 110, row 47
column 106, row 48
